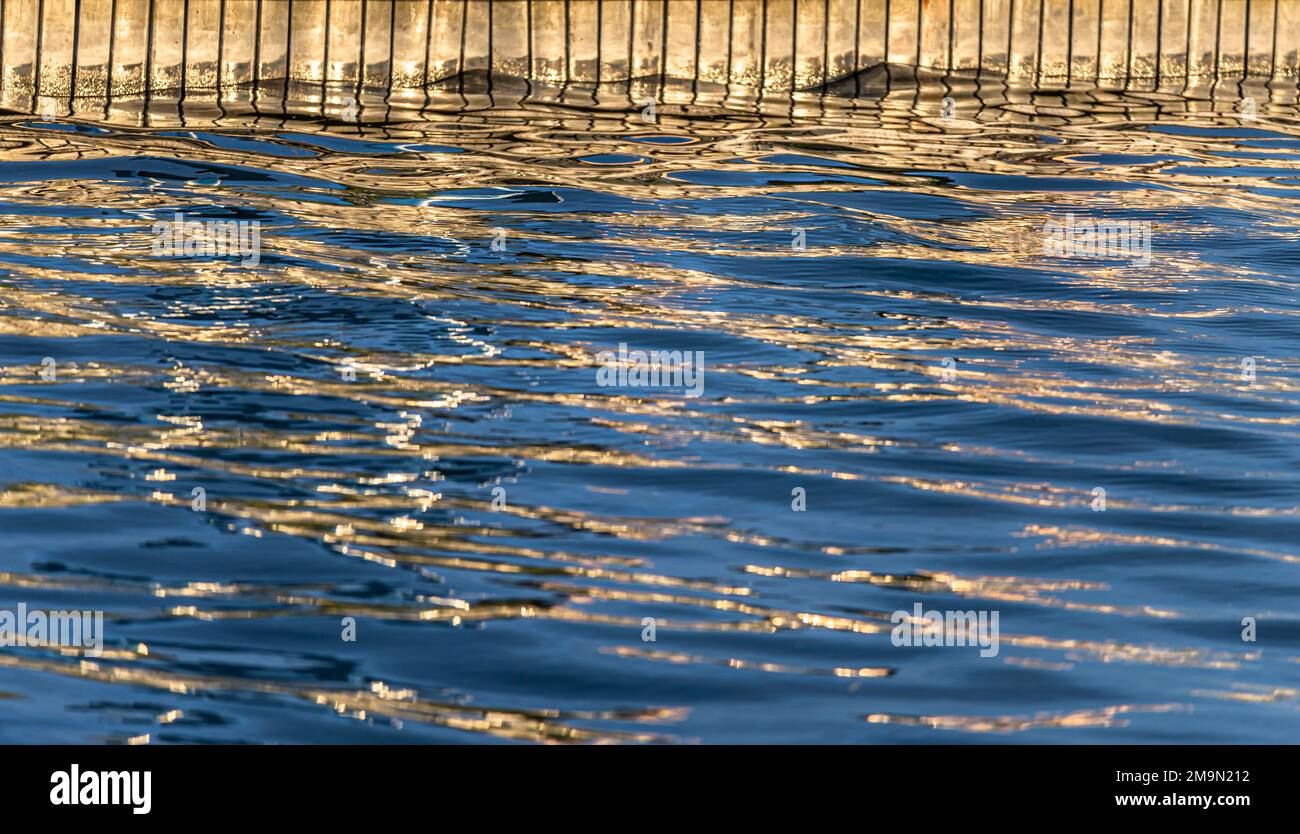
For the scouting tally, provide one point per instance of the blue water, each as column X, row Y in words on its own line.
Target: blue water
column 396, row 421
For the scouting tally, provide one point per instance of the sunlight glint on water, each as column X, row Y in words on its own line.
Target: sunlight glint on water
column 394, row 420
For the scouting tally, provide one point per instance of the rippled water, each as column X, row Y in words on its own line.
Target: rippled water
column 966, row 485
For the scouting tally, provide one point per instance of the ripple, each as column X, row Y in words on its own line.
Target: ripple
column 395, row 416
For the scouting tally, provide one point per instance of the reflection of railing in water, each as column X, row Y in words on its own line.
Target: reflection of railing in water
column 120, row 48
column 892, row 102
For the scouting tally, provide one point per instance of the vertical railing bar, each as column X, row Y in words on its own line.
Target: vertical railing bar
column 40, row 38
column 1128, row 59
column 76, row 45
column 600, row 38
column 826, row 44
column 695, row 70
column 1272, row 62
column 857, row 47
column 1038, row 59
column 3, row 73
column 952, row 33
column 1011, row 37
column 1187, row 51
column 1160, row 37
column 460, row 67
column 288, row 59
column 918, row 33
column 1218, row 35
column 731, row 36
column 185, row 52
column 361, row 50
column 1101, row 21
column 148, row 59
column 112, row 46
column 257, row 54
column 1245, row 44
column 794, row 49
column 1069, row 47
column 663, row 52
column 428, row 39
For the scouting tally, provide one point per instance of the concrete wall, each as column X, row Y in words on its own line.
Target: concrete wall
column 116, row 48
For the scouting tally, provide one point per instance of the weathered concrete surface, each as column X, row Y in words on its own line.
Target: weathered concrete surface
column 121, row 48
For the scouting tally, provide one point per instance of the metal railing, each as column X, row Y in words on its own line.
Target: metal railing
column 120, row 48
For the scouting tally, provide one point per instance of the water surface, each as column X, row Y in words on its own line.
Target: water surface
column 352, row 405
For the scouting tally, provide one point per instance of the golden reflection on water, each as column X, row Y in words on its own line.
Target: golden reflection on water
column 393, row 705
column 606, row 568
column 1104, row 717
